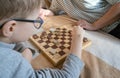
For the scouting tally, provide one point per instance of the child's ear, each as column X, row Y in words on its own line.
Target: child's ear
column 9, row 28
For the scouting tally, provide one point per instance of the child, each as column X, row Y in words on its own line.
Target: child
column 18, row 21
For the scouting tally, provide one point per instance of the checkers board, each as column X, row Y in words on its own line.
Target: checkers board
column 55, row 44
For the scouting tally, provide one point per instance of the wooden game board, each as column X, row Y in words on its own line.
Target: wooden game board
column 55, row 44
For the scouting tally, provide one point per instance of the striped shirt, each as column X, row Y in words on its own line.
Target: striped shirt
column 89, row 10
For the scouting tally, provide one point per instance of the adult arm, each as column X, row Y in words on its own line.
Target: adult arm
column 112, row 15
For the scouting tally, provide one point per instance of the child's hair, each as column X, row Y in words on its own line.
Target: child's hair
column 17, row 8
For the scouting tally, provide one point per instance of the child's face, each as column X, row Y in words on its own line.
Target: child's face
column 23, row 30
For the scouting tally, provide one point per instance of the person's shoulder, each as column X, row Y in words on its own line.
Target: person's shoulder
column 9, row 53
column 12, row 57
column 13, row 62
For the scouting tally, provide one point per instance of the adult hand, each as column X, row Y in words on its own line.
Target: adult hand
column 84, row 24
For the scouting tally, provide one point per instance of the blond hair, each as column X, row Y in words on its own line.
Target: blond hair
column 17, row 8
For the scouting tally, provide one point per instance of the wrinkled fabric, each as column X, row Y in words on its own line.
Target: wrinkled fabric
column 13, row 65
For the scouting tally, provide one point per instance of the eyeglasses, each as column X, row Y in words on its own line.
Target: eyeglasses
column 37, row 23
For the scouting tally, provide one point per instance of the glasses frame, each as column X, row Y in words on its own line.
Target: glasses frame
column 26, row 20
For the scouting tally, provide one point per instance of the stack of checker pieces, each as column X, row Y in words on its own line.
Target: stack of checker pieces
column 56, row 44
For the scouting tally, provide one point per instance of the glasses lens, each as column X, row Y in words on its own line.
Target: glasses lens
column 38, row 23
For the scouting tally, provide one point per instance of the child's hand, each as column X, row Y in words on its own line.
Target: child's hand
column 84, row 24
column 45, row 12
column 27, row 54
column 77, row 40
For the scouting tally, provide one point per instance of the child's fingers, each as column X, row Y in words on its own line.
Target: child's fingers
column 27, row 54
column 78, row 30
column 77, row 40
